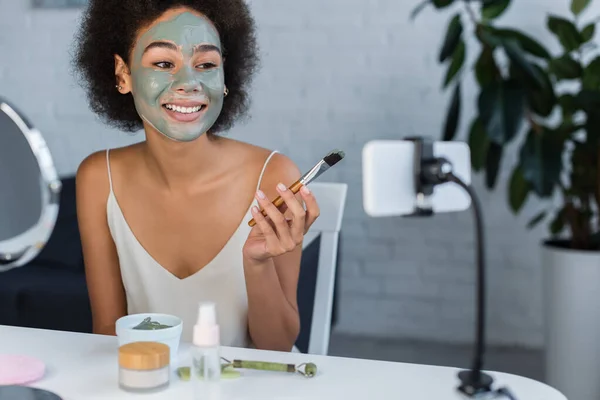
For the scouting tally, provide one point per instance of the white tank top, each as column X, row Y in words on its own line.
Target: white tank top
column 150, row 288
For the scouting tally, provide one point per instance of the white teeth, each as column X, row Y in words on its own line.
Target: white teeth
column 183, row 110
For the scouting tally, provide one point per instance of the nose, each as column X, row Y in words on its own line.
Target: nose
column 185, row 81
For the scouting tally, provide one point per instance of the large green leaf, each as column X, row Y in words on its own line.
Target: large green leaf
column 492, row 164
column 453, row 115
column 442, row 3
column 488, row 37
column 458, row 60
column 541, row 160
column 565, row 67
column 541, row 100
column 591, row 75
column 518, row 189
column 566, row 32
column 501, row 107
column 587, row 33
column 577, row 6
column 451, row 39
column 517, row 56
column 478, row 144
column 527, row 43
column 486, row 69
column 491, row 9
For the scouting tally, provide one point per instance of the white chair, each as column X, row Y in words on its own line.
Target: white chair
column 326, row 229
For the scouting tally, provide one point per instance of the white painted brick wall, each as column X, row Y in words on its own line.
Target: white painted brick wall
column 336, row 73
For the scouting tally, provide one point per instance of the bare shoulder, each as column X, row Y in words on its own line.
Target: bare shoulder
column 280, row 167
column 92, row 173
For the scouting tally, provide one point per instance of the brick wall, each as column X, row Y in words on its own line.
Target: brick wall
column 335, row 73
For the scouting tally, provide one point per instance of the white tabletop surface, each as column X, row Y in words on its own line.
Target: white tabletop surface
column 84, row 367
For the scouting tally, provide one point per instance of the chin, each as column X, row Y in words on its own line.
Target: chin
column 182, row 137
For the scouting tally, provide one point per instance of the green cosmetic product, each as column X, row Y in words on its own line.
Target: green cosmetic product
column 149, row 325
column 175, row 89
column 229, row 368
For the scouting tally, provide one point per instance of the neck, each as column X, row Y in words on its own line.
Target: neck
column 179, row 165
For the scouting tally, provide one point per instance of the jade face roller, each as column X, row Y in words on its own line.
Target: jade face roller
column 307, row 370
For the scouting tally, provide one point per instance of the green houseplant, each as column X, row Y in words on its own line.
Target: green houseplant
column 548, row 106
column 519, row 99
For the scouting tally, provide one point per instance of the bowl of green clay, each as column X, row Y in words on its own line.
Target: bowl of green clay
column 150, row 327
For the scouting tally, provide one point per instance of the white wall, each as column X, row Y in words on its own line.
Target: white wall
column 335, row 73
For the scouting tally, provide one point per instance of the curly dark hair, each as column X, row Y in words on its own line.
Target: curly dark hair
column 109, row 27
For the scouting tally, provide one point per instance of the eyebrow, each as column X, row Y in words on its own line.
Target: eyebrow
column 202, row 48
column 206, row 48
column 161, row 45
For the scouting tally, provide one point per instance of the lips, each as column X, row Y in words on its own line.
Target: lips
column 184, row 111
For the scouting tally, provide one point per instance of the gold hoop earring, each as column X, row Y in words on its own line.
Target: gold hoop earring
column 226, row 91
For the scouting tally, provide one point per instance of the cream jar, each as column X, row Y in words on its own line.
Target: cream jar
column 144, row 366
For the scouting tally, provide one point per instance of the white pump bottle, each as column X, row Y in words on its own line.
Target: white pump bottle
column 206, row 359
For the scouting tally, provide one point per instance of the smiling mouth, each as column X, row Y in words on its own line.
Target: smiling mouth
column 184, row 109
column 184, row 112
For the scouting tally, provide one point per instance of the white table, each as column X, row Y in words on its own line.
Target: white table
column 84, row 367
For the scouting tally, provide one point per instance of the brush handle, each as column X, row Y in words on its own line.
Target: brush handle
column 295, row 188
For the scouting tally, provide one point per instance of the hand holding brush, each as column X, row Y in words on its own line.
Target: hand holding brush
column 323, row 165
column 274, row 234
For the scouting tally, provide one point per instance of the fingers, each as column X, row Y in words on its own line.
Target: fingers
column 272, row 241
column 286, row 243
column 312, row 207
column 283, row 235
column 298, row 213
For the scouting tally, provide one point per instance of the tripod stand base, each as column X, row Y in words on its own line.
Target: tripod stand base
column 474, row 384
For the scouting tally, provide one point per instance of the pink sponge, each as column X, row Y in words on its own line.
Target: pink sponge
column 20, row 370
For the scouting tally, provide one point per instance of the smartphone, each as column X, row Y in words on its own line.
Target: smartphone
column 389, row 182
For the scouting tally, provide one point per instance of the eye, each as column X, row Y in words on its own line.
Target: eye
column 163, row 64
column 207, row 65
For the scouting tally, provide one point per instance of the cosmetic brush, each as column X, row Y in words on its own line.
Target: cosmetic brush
column 323, row 165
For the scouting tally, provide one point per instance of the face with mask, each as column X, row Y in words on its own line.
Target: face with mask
column 176, row 76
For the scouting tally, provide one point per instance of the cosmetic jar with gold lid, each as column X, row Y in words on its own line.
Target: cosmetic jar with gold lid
column 144, row 366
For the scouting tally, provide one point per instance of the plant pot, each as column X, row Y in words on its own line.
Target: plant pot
column 571, row 295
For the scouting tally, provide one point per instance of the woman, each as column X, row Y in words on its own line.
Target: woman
column 164, row 222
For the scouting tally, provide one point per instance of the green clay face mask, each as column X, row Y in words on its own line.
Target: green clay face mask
column 177, row 76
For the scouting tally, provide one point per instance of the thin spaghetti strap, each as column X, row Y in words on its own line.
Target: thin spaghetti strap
column 265, row 167
column 108, row 168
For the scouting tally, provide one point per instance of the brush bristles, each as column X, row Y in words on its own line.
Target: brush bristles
column 334, row 157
